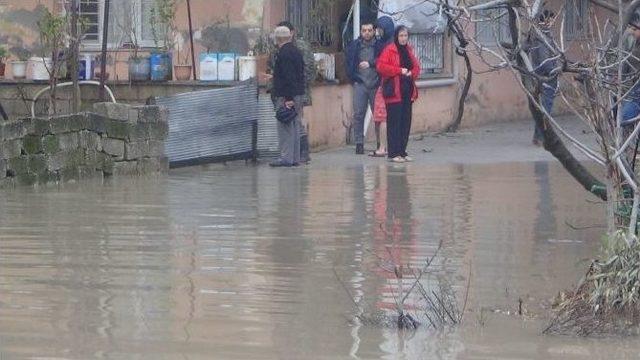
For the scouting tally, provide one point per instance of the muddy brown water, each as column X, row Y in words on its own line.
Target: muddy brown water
column 238, row 262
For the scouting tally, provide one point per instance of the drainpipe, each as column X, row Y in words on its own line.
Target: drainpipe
column 356, row 19
column 103, row 52
column 193, row 56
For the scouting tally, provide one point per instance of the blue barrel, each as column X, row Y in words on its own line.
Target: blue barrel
column 160, row 66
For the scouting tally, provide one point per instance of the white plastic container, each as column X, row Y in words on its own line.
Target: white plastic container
column 19, row 69
column 226, row 66
column 208, row 66
column 37, row 68
column 246, row 67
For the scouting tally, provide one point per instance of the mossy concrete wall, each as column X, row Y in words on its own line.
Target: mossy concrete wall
column 111, row 140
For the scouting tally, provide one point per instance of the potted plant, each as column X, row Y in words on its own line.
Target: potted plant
column 98, row 68
column 262, row 49
column 182, row 69
column 53, row 36
column 138, row 65
column 163, row 30
column 19, row 67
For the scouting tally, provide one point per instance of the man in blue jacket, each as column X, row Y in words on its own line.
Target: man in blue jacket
column 361, row 56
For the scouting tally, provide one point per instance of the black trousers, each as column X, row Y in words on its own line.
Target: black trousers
column 398, row 127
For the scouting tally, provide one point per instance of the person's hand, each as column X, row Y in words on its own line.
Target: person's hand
column 408, row 73
column 404, row 71
column 364, row 65
column 289, row 104
column 264, row 78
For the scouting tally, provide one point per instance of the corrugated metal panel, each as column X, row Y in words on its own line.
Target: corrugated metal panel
column 267, row 128
column 211, row 124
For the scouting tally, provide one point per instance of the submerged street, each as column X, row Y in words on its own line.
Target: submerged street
column 239, row 261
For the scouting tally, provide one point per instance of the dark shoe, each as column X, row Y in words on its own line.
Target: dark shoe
column 280, row 163
column 359, row 149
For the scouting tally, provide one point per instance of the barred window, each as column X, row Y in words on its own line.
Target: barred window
column 429, row 49
column 127, row 19
column 313, row 19
column 576, row 18
column 492, row 27
column 90, row 15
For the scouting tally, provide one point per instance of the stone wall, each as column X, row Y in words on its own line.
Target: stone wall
column 111, row 140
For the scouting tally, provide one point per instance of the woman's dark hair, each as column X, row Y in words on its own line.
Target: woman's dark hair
column 399, row 29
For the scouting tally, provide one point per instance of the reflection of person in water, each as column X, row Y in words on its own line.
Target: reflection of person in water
column 394, row 237
column 545, row 225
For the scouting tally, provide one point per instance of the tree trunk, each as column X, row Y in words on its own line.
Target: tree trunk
column 554, row 145
column 457, row 119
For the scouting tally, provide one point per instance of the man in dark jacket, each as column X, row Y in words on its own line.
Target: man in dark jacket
column 288, row 89
column 544, row 63
column 309, row 77
column 361, row 56
column 631, row 72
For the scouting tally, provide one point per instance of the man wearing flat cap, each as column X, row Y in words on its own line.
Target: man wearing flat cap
column 288, row 89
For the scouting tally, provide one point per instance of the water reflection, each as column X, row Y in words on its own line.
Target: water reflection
column 237, row 262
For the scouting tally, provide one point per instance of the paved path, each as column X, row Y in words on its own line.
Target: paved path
column 504, row 142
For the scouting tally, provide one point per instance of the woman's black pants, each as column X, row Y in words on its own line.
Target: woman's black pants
column 398, row 128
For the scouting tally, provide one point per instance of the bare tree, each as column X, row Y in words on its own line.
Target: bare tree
column 594, row 85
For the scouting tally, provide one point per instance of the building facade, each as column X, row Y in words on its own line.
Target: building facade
column 242, row 26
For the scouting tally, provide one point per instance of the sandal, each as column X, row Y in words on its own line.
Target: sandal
column 378, row 153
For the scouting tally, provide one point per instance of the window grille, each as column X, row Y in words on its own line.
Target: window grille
column 313, row 19
column 492, row 27
column 576, row 18
column 429, row 49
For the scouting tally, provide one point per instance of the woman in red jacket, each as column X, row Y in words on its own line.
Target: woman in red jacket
column 399, row 68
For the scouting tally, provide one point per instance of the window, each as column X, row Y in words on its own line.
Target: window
column 313, row 19
column 129, row 20
column 576, row 18
column 429, row 49
column 90, row 15
column 492, row 27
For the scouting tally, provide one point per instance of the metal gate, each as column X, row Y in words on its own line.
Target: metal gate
column 212, row 125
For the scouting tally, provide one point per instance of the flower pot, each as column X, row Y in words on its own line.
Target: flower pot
column 98, row 76
column 139, row 69
column 160, row 66
column 38, row 68
column 19, row 69
column 182, row 72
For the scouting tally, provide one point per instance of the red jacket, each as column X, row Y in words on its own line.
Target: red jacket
column 388, row 66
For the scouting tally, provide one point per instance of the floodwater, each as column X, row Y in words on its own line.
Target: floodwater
column 240, row 262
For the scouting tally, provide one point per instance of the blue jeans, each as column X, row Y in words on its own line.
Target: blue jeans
column 630, row 110
column 362, row 98
column 547, row 97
